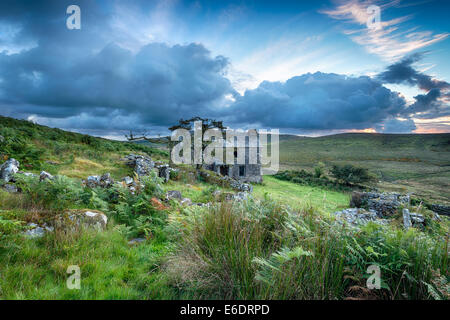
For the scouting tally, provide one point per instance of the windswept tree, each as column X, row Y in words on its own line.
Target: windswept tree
column 206, row 124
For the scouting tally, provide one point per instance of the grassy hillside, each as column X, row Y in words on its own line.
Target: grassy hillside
column 61, row 152
column 281, row 244
column 417, row 163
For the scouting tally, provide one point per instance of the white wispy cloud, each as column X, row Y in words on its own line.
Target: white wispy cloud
column 390, row 42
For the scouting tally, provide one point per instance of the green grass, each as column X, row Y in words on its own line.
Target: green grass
column 110, row 268
column 299, row 196
column 262, row 250
column 67, row 153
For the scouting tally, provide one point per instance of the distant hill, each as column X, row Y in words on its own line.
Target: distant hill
column 406, row 162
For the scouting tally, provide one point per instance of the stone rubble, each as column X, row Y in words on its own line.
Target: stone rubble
column 384, row 204
column 241, row 196
column 8, row 169
column 411, row 219
column 11, row 188
column 173, row 194
column 359, row 216
column 45, row 175
column 128, row 180
column 142, row 165
column 406, row 219
column 28, row 174
column 90, row 219
column 186, row 202
column 105, row 181
column 36, row 231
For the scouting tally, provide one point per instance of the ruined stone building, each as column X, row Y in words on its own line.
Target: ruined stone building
column 248, row 171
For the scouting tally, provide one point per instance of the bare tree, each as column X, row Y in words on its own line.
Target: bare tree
column 142, row 137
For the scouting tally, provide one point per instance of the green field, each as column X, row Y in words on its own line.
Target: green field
column 300, row 197
column 418, row 163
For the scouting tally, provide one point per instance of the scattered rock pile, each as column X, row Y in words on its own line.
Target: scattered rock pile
column 142, row 165
column 104, row 181
column 243, row 187
column 384, row 204
column 37, row 231
column 441, row 209
column 411, row 219
column 70, row 221
column 358, row 216
column 173, row 195
column 232, row 183
column 164, row 171
column 45, row 176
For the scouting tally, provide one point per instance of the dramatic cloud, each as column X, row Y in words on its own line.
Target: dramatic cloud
column 389, row 42
column 435, row 103
column 102, row 79
column 158, row 85
column 317, row 101
column 403, row 72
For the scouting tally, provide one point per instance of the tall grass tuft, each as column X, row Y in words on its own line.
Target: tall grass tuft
column 262, row 250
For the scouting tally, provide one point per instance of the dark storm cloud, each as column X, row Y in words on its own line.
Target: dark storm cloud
column 317, row 101
column 79, row 79
column 403, row 72
column 432, row 104
column 160, row 83
column 82, row 80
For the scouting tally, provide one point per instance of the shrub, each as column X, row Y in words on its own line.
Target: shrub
column 305, row 178
column 319, row 170
column 57, row 194
column 350, row 174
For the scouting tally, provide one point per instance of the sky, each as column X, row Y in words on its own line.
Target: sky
column 303, row 67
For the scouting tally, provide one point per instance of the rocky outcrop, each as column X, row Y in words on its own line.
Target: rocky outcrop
column 76, row 219
column 441, row 209
column 104, row 181
column 186, row 202
column 173, row 195
column 412, row 219
column 164, row 171
column 11, row 188
column 8, row 169
column 142, row 165
column 37, row 231
column 358, row 216
column 45, row 176
column 384, row 204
